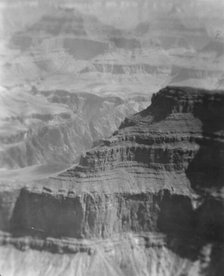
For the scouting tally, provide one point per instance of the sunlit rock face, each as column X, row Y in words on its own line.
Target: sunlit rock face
column 56, row 126
column 147, row 201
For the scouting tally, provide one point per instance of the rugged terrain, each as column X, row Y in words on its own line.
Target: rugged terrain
column 67, row 54
column 147, row 201
column 59, row 57
column 56, row 126
column 71, row 44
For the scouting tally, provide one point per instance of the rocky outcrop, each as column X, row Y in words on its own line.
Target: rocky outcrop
column 121, row 69
column 160, row 174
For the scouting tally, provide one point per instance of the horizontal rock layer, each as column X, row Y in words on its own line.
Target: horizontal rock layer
column 161, row 172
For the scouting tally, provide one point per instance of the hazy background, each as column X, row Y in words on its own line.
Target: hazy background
column 71, row 71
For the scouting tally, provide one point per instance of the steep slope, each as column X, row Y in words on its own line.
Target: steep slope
column 39, row 127
column 147, row 201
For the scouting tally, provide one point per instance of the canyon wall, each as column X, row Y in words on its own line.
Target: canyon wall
column 158, row 178
column 41, row 138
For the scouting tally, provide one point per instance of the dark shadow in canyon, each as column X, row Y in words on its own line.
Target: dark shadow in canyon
column 190, row 230
column 43, row 215
column 206, row 170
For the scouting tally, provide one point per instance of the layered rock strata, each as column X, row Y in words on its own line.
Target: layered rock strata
column 161, row 174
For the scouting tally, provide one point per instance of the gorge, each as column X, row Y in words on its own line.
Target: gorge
column 146, row 201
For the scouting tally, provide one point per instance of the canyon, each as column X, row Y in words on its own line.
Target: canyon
column 54, row 127
column 146, row 201
column 111, row 138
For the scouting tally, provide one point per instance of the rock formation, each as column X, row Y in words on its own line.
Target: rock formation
column 147, row 201
column 59, row 134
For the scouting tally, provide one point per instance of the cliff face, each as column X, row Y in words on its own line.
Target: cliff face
column 101, row 215
column 159, row 178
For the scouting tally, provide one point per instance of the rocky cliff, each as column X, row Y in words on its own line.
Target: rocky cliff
column 149, row 199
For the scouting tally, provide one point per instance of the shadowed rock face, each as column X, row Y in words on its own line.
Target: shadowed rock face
column 62, row 22
column 160, row 173
column 84, row 49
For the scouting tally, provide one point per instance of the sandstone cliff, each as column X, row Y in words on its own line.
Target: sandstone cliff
column 149, row 199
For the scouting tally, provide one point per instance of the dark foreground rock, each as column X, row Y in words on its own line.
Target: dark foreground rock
column 149, row 199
